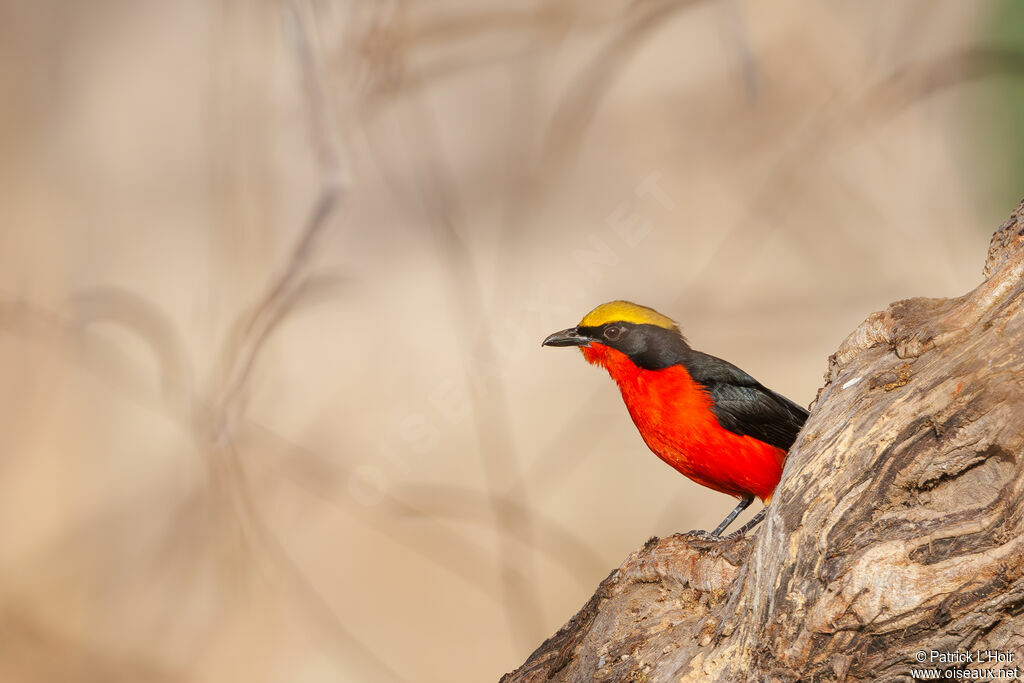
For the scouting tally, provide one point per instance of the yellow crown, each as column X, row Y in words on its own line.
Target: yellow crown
column 626, row 312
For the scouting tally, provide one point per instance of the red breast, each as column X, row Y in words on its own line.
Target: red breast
column 673, row 414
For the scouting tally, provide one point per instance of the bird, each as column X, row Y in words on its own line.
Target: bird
column 702, row 415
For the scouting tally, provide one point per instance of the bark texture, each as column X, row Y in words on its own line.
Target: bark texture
column 897, row 528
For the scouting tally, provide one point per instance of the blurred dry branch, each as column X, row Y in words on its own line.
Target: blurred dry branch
column 251, row 330
column 239, row 517
column 571, row 120
column 897, row 527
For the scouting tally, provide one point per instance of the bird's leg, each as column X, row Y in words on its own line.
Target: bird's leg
column 740, row 507
column 754, row 521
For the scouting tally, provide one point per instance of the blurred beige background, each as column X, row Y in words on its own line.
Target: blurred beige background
column 273, row 279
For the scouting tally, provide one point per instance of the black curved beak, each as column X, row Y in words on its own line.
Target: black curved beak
column 569, row 337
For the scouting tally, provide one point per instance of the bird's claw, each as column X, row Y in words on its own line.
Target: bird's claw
column 701, row 535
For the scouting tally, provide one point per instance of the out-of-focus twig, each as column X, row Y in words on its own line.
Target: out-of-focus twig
column 437, row 199
column 918, row 80
column 739, row 35
column 578, row 107
column 247, row 339
column 142, row 317
column 282, row 461
column 489, row 410
column 559, row 544
column 251, row 330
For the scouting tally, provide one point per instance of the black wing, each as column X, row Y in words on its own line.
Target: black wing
column 743, row 405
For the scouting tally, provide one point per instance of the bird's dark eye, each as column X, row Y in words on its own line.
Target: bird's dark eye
column 612, row 332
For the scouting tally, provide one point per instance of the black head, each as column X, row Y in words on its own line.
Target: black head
column 649, row 346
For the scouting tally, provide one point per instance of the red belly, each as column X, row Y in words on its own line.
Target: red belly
column 673, row 414
column 711, row 456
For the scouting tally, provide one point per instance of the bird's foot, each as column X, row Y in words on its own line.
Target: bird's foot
column 701, row 535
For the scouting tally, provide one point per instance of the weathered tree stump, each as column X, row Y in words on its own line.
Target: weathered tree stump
column 896, row 534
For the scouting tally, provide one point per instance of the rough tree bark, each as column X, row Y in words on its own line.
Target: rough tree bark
column 897, row 527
